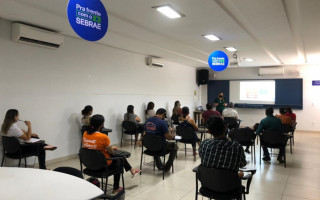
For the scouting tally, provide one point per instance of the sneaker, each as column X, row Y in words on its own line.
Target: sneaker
column 266, row 158
column 50, row 147
column 247, row 151
column 137, row 171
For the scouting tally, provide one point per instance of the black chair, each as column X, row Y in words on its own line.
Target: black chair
column 245, row 137
column 12, row 149
column 221, row 183
column 288, row 129
column 187, row 136
column 274, row 139
column 231, row 123
column 155, row 146
column 96, row 165
column 70, row 170
column 175, row 120
column 129, row 128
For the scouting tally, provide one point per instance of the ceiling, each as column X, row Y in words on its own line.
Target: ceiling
column 272, row 32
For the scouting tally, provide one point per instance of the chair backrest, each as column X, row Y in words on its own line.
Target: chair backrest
column 175, row 118
column 218, row 180
column 153, row 142
column 242, row 135
column 11, row 144
column 92, row 159
column 186, row 133
column 230, row 121
column 129, row 126
column 286, row 128
column 69, row 170
column 273, row 137
column 83, row 129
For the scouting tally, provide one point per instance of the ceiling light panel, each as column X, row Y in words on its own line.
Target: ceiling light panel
column 168, row 11
column 211, row 37
column 231, row 49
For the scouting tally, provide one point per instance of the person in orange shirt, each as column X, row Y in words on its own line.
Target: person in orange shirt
column 94, row 139
column 284, row 119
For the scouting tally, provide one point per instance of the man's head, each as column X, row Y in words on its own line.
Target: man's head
column 221, row 94
column 269, row 111
column 216, row 126
column 282, row 110
column 231, row 105
column 209, row 106
column 162, row 113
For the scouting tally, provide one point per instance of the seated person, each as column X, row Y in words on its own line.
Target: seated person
column 252, row 130
column 176, row 112
column 94, row 139
column 150, row 110
column 209, row 112
column 220, row 152
column 86, row 114
column 284, row 118
column 271, row 123
column 189, row 122
column 10, row 128
column 130, row 116
column 291, row 114
column 156, row 125
column 230, row 112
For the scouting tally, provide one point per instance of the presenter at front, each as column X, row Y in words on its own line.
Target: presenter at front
column 220, row 103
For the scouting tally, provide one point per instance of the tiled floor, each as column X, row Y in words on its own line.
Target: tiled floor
column 299, row 181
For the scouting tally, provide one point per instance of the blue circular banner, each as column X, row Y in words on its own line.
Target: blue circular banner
column 218, row 61
column 88, row 18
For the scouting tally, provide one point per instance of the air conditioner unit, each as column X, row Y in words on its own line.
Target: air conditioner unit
column 154, row 62
column 36, row 36
column 271, row 71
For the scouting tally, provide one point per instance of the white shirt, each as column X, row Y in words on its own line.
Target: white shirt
column 14, row 131
column 229, row 112
column 150, row 113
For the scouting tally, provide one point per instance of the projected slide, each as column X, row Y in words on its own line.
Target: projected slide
column 257, row 91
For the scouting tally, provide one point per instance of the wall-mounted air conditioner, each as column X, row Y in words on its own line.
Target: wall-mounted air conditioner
column 154, row 62
column 271, row 71
column 36, row 36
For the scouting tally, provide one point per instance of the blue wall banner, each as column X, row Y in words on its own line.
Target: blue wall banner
column 218, row 61
column 88, row 18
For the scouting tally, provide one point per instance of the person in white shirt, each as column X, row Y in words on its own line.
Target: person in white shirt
column 230, row 112
column 10, row 128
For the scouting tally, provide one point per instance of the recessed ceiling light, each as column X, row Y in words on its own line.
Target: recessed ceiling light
column 231, row 48
column 248, row 59
column 211, row 37
column 168, row 11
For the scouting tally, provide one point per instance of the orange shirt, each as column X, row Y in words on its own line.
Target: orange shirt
column 284, row 119
column 97, row 141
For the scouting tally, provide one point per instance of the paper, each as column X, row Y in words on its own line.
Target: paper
column 177, row 137
column 33, row 140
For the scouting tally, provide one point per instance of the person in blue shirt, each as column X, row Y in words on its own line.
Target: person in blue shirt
column 274, row 124
column 156, row 125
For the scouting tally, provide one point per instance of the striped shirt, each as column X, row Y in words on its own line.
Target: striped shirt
column 222, row 154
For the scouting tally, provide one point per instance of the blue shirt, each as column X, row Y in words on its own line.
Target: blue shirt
column 155, row 125
column 269, row 123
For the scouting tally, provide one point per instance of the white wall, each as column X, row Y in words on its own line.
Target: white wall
column 308, row 118
column 51, row 87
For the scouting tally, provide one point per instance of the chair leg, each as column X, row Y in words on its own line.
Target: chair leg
column 254, row 153
column 164, row 161
column 131, row 139
column 285, row 159
column 290, row 145
column 121, row 138
column 260, row 154
column 123, row 181
column 185, row 150
column 19, row 162
column 2, row 159
column 141, row 160
column 25, row 162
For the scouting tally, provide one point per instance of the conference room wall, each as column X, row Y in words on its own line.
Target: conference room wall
column 307, row 118
column 51, row 87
